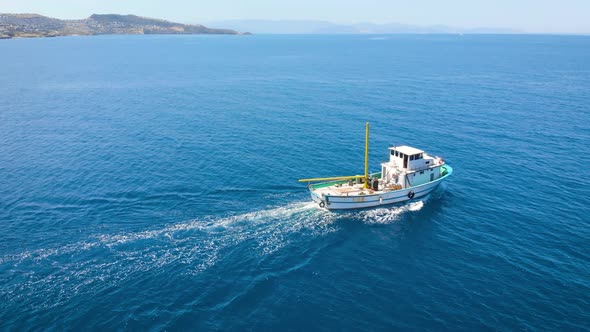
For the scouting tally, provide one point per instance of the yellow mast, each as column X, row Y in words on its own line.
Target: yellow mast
column 366, row 176
column 366, row 155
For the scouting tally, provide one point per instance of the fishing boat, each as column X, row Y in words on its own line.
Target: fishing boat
column 409, row 173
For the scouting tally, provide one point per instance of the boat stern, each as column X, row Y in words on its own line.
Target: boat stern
column 316, row 198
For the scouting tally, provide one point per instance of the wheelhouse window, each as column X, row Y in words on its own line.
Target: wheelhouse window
column 412, row 157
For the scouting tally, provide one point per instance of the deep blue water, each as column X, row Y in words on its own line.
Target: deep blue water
column 150, row 183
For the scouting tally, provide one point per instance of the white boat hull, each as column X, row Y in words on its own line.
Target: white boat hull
column 377, row 199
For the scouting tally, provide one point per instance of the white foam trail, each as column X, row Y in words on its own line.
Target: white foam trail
column 54, row 275
column 389, row 215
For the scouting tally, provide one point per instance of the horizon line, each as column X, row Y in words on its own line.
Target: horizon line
column 517, row 31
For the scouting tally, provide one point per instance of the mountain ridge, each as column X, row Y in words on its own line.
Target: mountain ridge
column 35, row 25
column 325, row 27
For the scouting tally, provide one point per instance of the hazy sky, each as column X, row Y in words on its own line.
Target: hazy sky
column 569, row 16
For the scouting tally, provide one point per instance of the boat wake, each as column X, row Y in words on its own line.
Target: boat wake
column 52, row 276
column 391, row 214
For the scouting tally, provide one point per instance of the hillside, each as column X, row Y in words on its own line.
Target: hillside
column 34, row 25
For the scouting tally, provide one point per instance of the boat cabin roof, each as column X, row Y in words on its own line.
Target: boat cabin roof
column 406, row 150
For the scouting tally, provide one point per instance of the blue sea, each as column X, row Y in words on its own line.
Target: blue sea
column 150, row 183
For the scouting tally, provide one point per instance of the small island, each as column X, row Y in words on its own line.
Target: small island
column 34, row 25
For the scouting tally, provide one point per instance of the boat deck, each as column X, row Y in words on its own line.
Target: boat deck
column 348, row 190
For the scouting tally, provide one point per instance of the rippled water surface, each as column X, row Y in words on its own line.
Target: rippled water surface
column 150, row 183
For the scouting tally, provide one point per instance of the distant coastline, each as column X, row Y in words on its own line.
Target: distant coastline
column 325, row 27
column 35, row 25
